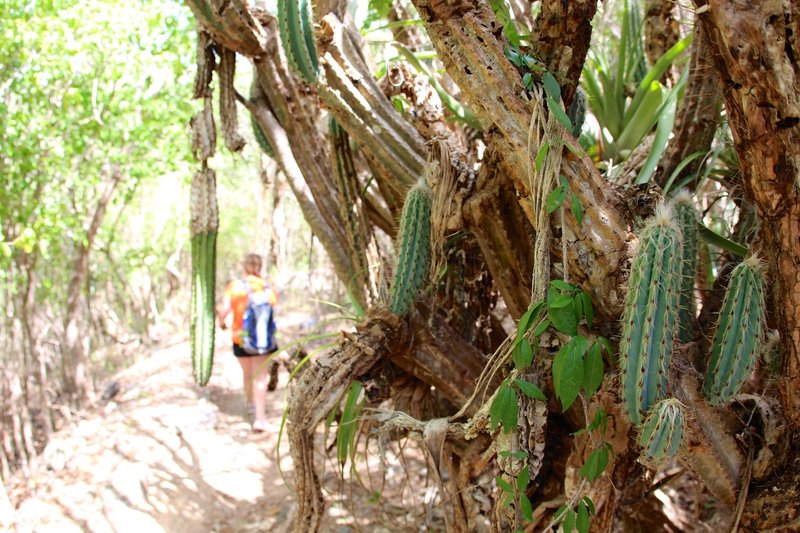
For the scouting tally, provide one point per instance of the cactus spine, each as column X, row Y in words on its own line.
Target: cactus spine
column 738, row 335
column 686, row 218
column 297, row 37
column 413, row 251
column 662, row 432
column 204, row 223
column 650, row 315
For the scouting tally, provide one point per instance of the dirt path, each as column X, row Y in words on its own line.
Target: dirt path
column 163, row 455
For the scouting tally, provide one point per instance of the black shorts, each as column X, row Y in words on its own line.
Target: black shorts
column 238, row 351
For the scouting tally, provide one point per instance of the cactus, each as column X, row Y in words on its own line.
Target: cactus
column 204, row 241
column 261, row 139
column 650, row 315
column 686, row 218
column 739, row 333
column 662, row 432
column 577, row 112
column 297, row 37
column 413, row 251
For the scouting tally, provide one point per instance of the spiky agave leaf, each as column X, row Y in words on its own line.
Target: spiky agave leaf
column 650, row 316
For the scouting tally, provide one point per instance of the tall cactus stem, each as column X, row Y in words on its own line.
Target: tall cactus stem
column 686, row 218
column 649, row 322
column 739, row 333
column 297, row 37
column 413, row 250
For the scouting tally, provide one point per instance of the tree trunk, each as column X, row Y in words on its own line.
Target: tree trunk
column 74, row 372
column 755, row 50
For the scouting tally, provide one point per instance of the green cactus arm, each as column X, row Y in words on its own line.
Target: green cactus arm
column 413, row 254
column 686, row 217
column 292, row 24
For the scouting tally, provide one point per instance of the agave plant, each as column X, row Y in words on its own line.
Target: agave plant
column 627, row 98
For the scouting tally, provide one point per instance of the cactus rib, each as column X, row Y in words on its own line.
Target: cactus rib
column 261, row 139
column 413, row 255
column 296, row 32
column 686, row 218
column 738, row 335
column 650, row 315
column 662, row 432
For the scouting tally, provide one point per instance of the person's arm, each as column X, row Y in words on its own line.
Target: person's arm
column 223, row 309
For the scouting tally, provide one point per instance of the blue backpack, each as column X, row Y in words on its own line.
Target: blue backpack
column 258, row 325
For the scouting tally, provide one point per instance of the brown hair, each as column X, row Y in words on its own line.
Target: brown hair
column 252, row 264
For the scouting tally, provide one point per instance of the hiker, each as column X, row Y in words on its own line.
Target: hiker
column 238, row 299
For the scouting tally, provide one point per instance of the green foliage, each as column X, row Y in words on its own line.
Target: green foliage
column 413, row 250
column 661, row 434
column 625, row 120
column 297, row 37
column 348, row 424
column 738, row 335
column 650, row 316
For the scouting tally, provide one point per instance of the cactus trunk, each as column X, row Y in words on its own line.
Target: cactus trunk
column 650, row 315
column 297, row 37
column 204, row 240
column 738, row 335
column 686, row 218
column 413, row 251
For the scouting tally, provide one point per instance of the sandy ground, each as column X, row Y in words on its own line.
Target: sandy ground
column 163, row 455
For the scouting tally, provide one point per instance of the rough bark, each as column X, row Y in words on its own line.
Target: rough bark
column 755, row 50
column 661, row 30
column 77, row 383
column 697, row 118
column 466, row 39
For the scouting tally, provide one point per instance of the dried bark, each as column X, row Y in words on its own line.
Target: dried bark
column 661, row 30
column 755, row 50
column 697, row 118
column 466, row 39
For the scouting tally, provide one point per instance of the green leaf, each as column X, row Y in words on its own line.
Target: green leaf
column 582, row 522
column 504, row 409
column 555, row 199
column 526, row 80
column 527, row 318
column 590, row 505
column 569, row 522
column 600, row 420
column 540, row 155
column 568, row 373
column 595, row 464
column 543, row 325
column 525, row 508
column 504, row 485
column 561, row 116
column 565, row 319
column 522, row 355
column 586, row 307
column 551, row 87
column 562, row 285
column 593, row 370
column 515, row 455
column 577, row 210
column 562, row 301
column 523, row 479
column 530, row 390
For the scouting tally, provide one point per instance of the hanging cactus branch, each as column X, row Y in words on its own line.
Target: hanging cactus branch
column 739, row 333
column 662, row 432
column 204, row 224
column 413, row 250
column 650, row 315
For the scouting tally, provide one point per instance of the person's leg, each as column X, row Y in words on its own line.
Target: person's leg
column 247, row 377
column 260, row 374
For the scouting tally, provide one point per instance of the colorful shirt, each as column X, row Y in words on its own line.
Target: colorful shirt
column 236, row 293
